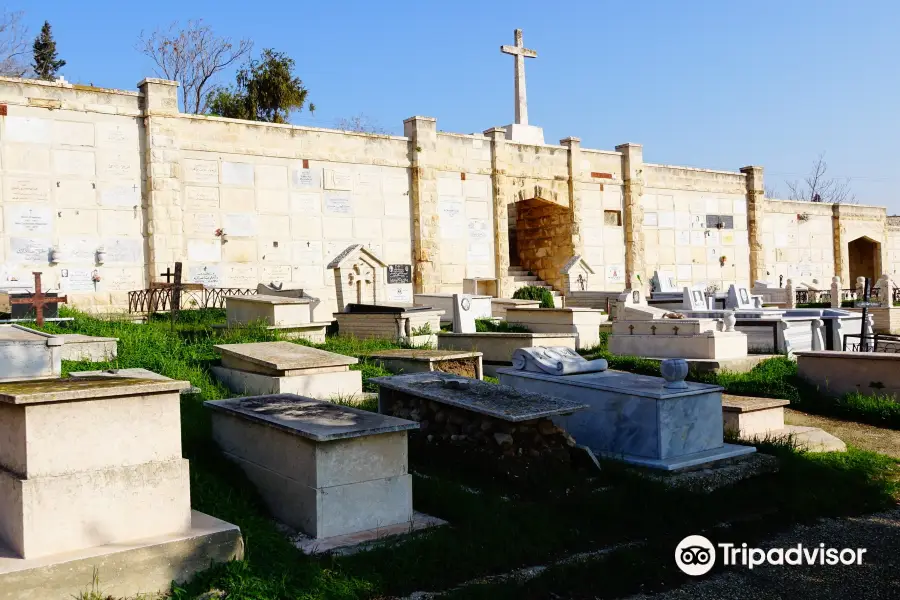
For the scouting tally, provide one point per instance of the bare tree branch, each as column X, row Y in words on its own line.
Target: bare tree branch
column 360, row 124
column 13, row 45
column 771, row 191
column 192, row 55
column 818, row 187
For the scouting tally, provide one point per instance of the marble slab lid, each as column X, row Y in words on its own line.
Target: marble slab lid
column 285, row 356
column 316, row 420
column 499, row 401
column 82, row 388
column 619, row 382
column 17, row 334
column 425, row 354
column 265, row 299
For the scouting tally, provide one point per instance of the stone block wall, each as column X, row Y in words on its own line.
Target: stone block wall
column 798, row 243
column 84, row 169
column 692, row 218
column 72, row 180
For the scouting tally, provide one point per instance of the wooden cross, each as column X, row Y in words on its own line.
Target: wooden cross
column 38, row 300
column 521, row 53
column 176, row 291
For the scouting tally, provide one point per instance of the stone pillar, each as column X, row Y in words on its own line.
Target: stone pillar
column 885, row 287
column 574, row 146
column 755, row 210
column 501, row 225
column 633, row 215
column 835, row 292
column 841, row 266
column 791, row 294
column 162, row 192
column 422, row 134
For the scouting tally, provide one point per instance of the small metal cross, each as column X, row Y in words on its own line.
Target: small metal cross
column 38, row 300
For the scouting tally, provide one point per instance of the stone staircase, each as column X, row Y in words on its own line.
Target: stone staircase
column 521, row 277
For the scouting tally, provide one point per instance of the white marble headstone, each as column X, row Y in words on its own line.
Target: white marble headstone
column 739, row 297
column 664, row 281
column 695, row 298
column 463, row 314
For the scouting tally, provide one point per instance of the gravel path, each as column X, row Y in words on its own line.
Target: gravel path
column 867, row 437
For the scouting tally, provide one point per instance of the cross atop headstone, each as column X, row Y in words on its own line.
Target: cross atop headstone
column 521, row 53
column 38, row 300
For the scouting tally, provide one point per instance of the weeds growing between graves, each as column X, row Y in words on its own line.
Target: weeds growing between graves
column 498, row 523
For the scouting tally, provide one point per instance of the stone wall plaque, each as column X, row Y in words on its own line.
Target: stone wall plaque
column 78, row 280
column 204, row 250
column 666, row 220
column 399, row 273
column 124, row 194
column 698, row 238
column 201, row 197
column 307, row 253
column 208, row 275
column 727, row 238
column 28, row 190
column 452, row 217
column 338, row 204
column 79, row 250
column 275, row 273
column 74, row 162
column 615, row 274
column 650, row 219
column 682, row 220
column 683, row 238
column 338, row 180
column 302, row 178
column 29, row 250
column 478, row 229
column 122, row 279
column 241, row 276
column 124, row 250
column 399, row 293
column 29, row 219
column 235, row 173
column 306, row 203
column 478, row 252
column 201, row 171
column 28, row 129
column 240, row 224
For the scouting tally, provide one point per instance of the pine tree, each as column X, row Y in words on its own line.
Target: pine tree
column 46, row 63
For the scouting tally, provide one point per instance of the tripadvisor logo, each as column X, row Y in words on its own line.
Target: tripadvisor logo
column 695, row 555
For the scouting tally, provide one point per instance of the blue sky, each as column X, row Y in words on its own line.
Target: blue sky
column 698, row 83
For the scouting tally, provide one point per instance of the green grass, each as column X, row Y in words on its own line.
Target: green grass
column 492, row 326
column 774, row 378
column 500, row 519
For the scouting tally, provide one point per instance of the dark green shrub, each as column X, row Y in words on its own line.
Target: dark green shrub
column 533, row 292
column 491, row 326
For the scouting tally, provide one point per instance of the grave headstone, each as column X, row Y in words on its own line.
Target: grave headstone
column 359, row 276
column 695, row 298
column 739, row 297
column 664, row 281
column 463, row 315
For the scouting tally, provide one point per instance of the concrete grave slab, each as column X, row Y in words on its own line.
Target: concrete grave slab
column 325, row 469
column 287, row 368
column 89, row 348
column 28, row 354
column 135, row 373
column 465, row 364
column 583, row 322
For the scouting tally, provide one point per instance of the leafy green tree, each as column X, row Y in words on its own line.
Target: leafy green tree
column 265, row 90
column 46, row 62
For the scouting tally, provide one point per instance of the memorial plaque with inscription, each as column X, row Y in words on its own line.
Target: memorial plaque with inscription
column 79, row 250
column 29, row 250
column 29, row 220
column 127, row 194
column 202, row 197
column 338, row 204
column 234, row 173
column 78, row 280
column 201, row 171
column 306, row 203
column 399, row 273
column 478, row 252
column 302, row 178
column 478, row 229
column 241, row 276
column 208, row 275
column 29, row 190
column 124, row 250
column 279, row 273
column 338, row 180
column 399, row 293
column 122, row 279
column 240, row 224
column 452, row 218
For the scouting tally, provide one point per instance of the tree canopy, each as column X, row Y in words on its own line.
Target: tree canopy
column 266, row 89
column 46, row 61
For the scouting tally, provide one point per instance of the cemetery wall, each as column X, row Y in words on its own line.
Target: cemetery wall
column 72, row 179
column 798, row 242
column 240, row 203
column 695, row 225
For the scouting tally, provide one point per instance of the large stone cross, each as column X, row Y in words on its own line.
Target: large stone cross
column 521, row 53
